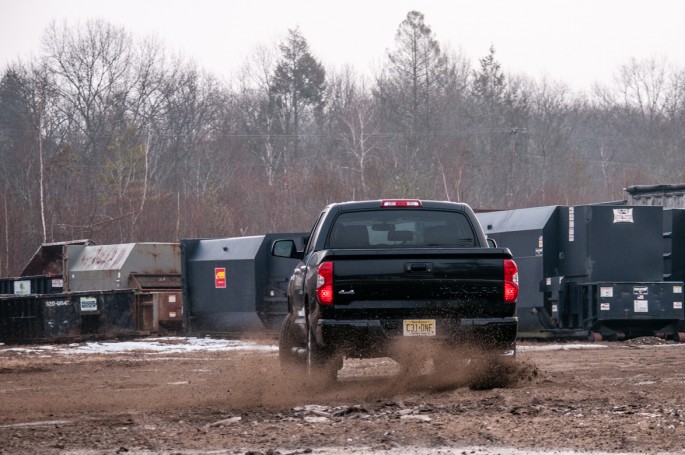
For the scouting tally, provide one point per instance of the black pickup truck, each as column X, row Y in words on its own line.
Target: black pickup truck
column 377, row 272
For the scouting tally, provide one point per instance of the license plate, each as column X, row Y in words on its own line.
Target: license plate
column 419, row 327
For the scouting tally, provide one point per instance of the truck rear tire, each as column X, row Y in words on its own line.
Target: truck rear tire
column 322, row 367
column 287, row 343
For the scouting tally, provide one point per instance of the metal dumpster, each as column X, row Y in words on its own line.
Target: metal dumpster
column 102, row 267
column 153, row 270
column 36, row 284
column 66, row 316
column 532, row 235
column 43, row 274
column 159, row 302
column 625, row 310
column 138, row 285
column 234, row 285
column 665, row 195
column 567, row 255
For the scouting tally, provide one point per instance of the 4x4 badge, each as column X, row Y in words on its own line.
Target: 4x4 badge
column 344, row 292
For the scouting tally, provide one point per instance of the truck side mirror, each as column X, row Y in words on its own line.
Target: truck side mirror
column 492, row 243
column 285, row 249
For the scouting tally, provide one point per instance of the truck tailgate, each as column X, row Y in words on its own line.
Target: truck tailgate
column 419, row 283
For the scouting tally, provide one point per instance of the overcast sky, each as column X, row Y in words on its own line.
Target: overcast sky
column 578, row 42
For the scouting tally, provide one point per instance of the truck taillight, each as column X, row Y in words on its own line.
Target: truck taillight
column 401, row 203
column 324, row 283
column 511, row 281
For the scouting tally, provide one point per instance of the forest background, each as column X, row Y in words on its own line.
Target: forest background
column 108, row 137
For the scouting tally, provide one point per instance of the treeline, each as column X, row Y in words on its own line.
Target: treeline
column 108, row 137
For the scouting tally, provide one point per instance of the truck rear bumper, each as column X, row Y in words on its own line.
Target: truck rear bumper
column 372, row 337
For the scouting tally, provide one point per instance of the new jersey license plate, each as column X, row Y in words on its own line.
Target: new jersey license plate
column 419, row 327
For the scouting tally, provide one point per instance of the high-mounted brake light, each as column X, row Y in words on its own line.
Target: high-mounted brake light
column 511, row 281
column 401, row 203
column 324, row 283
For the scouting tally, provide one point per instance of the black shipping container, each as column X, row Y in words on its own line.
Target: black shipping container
column 598, row 270
column 235, row 284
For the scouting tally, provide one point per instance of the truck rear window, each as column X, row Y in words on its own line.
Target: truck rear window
column 402, row 228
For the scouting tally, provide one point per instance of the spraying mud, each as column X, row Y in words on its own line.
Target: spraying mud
column 625, row 397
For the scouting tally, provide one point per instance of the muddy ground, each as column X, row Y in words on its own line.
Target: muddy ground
column 626, row 397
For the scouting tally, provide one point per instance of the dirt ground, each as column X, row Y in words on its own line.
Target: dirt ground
column 626, row 397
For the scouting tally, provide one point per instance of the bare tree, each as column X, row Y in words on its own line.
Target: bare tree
column 642, row 111
column 360, row 134
column 554, row 115
column 262, row 117
column 92, row 66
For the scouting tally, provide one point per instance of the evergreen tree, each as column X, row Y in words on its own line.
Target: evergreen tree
column 417, row 74
column 489, row 84
column 299, row 83
column 414, row 93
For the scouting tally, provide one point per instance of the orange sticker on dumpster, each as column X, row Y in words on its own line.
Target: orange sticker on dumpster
column 220, row 277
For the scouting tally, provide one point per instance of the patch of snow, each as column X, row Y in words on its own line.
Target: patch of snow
column 42, row 423
column 167, row 345
column 560, row 347
column 570, row 347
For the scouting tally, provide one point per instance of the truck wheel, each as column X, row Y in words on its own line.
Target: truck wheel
column 287, row 344
column 322, row 368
